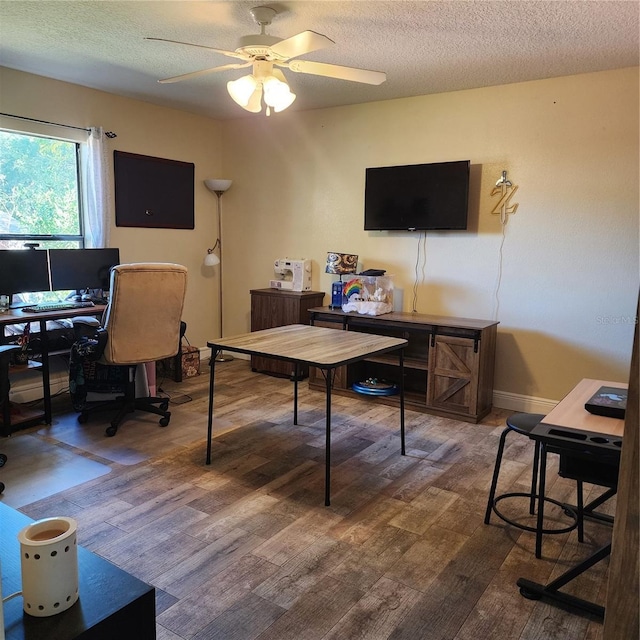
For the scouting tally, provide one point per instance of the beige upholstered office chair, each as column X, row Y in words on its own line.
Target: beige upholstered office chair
column 141, row 324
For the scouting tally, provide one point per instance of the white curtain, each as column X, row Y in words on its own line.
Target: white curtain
column 95, row 191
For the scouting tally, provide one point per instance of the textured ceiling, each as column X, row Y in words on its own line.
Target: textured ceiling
column 424, row 47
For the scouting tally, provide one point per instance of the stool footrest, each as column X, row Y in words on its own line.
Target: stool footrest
column 566, row 508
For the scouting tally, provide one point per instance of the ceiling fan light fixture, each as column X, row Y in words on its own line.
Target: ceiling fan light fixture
column 255, row 101
column 276, row 91
column 262, row 52
column 284, row 102
column 242, row 89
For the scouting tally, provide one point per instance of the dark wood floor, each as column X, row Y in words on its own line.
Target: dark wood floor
column 245, row 549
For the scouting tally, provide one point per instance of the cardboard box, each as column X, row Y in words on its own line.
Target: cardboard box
column 189, row 361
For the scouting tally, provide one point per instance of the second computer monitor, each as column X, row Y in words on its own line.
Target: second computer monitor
column 81, row 269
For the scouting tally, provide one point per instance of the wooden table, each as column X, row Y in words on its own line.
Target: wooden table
column 570, row 413
column 17, row 316
column 112, row 603
column 588, row 442
column 304, row 345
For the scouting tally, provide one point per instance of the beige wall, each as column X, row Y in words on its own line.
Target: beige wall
column 569, row 266
column 149, row 130
column 569, row 280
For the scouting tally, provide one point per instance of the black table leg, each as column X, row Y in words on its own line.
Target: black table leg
column 212, row 366
column 46, row 371
column 588, row 510
column 296, row 371
column 327, row 450
column 401, row 358
column 551, row 591
column 541, row 487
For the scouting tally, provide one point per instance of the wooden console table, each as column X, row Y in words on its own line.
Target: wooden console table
column 448, row 366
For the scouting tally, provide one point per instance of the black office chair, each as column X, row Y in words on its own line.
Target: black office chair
column 3, row 459
column 6, row 350
column 523, row 424
column 141, row 324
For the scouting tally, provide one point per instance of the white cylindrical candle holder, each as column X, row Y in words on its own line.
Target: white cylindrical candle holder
column 49, row 563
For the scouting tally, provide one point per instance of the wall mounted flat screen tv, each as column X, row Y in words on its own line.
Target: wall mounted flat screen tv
column 417, row 197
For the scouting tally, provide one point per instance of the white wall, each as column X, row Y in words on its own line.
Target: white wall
column 570, row 268
column 569, row 264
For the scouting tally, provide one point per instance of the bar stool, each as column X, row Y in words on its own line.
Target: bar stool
column 523, row 424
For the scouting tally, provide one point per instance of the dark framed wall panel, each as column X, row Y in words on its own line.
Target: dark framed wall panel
column 153, row 192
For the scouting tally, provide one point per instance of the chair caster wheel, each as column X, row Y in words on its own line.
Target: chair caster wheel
column 3, row 459
column 163, row 422
column 164, row 406
column 110, row 431
column 82, row 418
column 1, row 487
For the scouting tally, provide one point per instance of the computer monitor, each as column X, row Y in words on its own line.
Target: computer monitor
column 81, row 269
column 23, row 271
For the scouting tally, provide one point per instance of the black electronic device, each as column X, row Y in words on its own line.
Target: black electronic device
column 81, row 269
column 417, row 197
column 610, row 402
column 23, row 271
column 372, row 272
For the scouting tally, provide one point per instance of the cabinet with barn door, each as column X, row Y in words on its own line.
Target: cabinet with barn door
column 448, row 362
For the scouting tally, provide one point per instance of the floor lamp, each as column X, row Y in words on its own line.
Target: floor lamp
column 211, row 259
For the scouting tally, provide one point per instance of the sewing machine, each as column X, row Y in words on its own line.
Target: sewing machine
column 293, row 275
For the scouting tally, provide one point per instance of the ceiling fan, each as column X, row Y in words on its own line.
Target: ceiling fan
column 263, row 52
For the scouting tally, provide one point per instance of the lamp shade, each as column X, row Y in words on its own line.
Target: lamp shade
column 276, row 91
column 242, row 89
column 341, row 263
column 265, row 82
column 211, row 259
column 214, row 184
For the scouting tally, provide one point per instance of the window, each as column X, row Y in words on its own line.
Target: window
column 39, row 197
column 39, row 192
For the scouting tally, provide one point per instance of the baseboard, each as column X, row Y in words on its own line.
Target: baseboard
column 518, row 402
column 29, row 387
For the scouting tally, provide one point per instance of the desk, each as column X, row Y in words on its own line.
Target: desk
column 580, row 438
column 112, row 603
column 304, row 345
column 17, row 316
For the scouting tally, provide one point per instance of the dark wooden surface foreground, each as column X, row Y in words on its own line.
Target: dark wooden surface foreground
column 245, row 548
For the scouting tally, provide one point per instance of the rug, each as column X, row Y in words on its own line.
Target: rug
column 36, row 469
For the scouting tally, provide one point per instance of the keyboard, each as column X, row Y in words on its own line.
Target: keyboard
column 57, row 306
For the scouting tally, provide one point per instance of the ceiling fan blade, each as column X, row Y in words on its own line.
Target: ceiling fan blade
column 233, row 54
column 195, row 74
column 301, row 43
column 336, row 71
